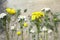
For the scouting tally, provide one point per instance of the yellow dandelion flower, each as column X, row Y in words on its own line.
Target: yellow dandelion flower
column 25, row 24
column 10, row 10
column 18, row 33
column 37, row 15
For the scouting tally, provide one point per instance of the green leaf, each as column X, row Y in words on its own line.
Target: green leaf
column 25, row 10
column 18, row 12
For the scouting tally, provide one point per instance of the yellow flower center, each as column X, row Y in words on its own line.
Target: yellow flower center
column 18, row 33
column 25, row 24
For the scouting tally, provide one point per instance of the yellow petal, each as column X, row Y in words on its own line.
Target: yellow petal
column 25, row 24
column 8, row 10
column 13, row 11
column 33, row 17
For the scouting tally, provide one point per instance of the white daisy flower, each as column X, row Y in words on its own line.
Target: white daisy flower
column 12, row 27
column 17, row 29
column 45, row 9
column 21, row 17
column 49, row 30
column 2, row 15
column 44, row 29
column 32, row 31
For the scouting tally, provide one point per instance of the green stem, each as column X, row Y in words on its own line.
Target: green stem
column 46, row 36
column 38, row 33
column 17, row 37
column 55, row 36
column 29, row 34
column 33, row 36
column 55, row 32
column 22, row 34
column 12, row 35
column 7, row 34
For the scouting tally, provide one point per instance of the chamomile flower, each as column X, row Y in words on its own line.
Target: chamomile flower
column 32, row 31
column 45, row 9
column 44, row 29
column 49, row 30
column 2, row 15
column 20, row 17
column 12, row 27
